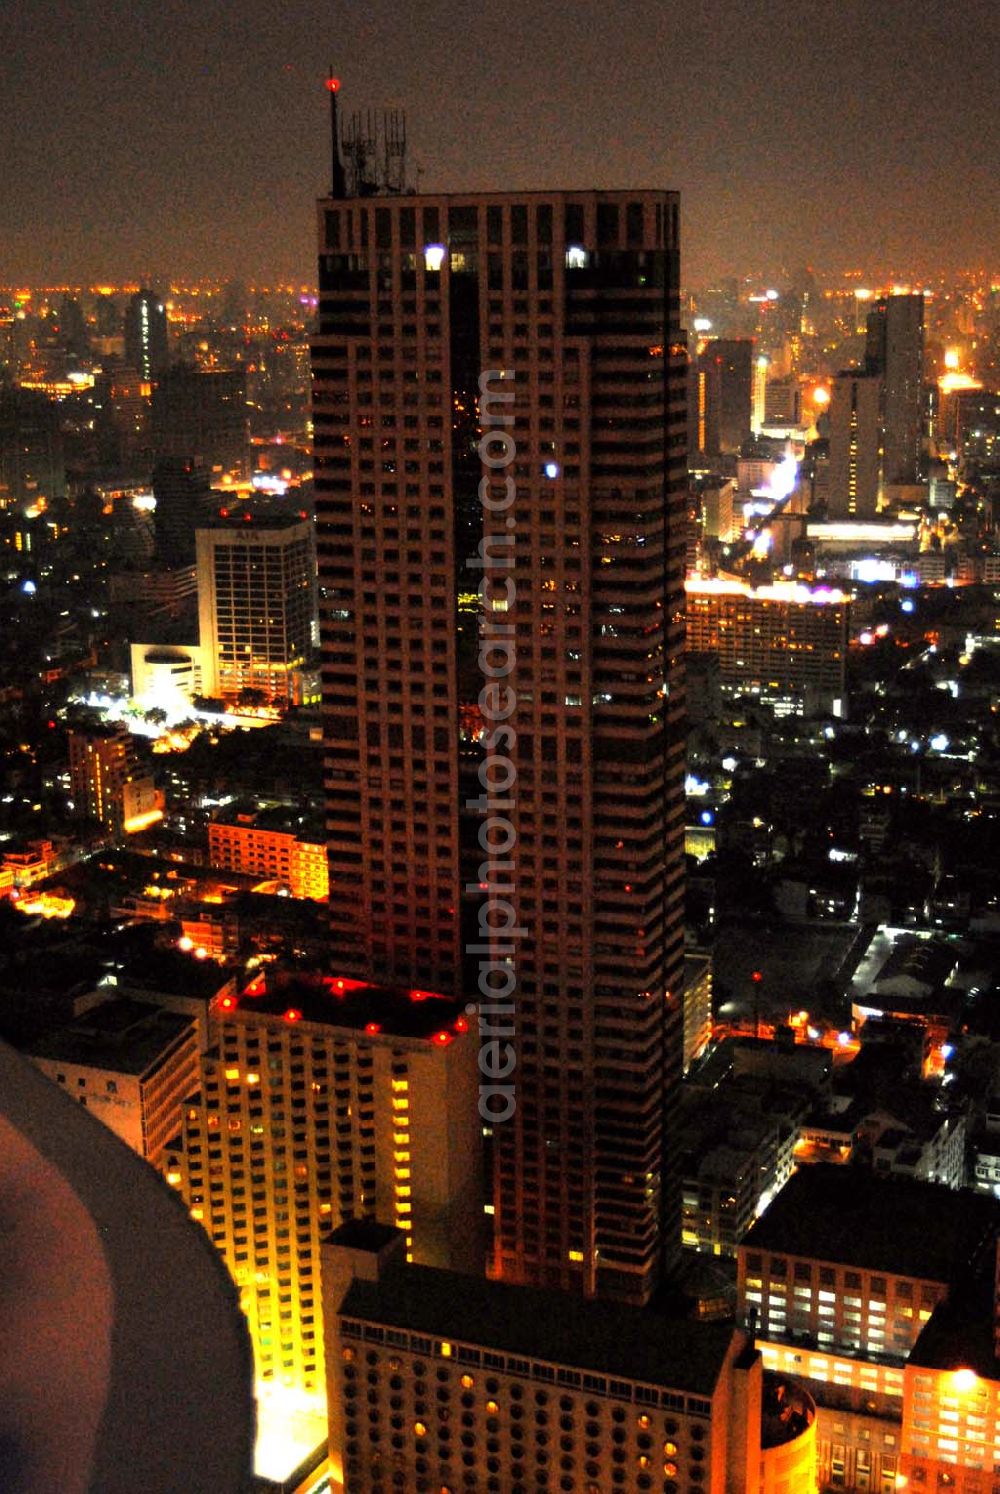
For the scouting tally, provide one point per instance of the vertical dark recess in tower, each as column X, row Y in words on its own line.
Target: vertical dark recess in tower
column 465, row 358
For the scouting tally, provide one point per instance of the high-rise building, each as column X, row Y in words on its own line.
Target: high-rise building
column 724, row 376
column 569, row 303
column 32, row 463
column 784, row 643
column 106, row 782
column 199, row 416
column 895, row 351
column 328, row 1100
column 856, row 469
column 183, row 501
column 440, row 1382
column 146, row 335
column 256, row 602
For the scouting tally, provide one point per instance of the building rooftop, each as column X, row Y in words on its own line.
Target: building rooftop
column 927, row 961
column 340, row 1001
column 552, row 1326
column 849, row 1217
column 959, row 1334
column 125, row 1037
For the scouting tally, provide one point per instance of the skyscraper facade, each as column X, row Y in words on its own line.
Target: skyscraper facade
column 722, row 384
column 856, row 456
column 571, row 300
column 895, row 351
column 255, row 604
column 146, row 335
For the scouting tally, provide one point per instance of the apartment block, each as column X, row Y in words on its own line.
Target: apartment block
column 785, row 643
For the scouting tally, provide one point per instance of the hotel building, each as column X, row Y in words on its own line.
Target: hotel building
column 256, row 601
column 261, row 844
column 325, row 1100
column 440, row 1383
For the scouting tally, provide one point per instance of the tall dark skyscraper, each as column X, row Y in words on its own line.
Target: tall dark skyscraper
column 574, row 295
column 721, row 398
column 895, row 351
column 146, row 334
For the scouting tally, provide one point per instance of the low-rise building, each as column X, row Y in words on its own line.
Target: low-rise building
column 263, row 843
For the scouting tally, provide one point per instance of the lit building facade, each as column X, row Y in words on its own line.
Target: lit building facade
column 697, row 1006
column 785, row 643
column 146, row 335
column 256, row 601
column 106, row 783
column 856, row 472
column 323, row 1102
column 441, row 1383
column 843, row 1273
column 574, row 295
column 246, row 843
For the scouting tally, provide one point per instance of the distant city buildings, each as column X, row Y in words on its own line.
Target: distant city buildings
column 146, row 349
column 199, row 416
column 856, row 480
column 721, row 398
column 783, row 643
column 895, row 353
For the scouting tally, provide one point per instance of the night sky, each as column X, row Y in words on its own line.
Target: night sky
column 147, row 138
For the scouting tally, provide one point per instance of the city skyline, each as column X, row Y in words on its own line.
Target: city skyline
column 847, row 163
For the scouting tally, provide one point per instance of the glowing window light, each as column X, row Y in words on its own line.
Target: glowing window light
column 434, row 257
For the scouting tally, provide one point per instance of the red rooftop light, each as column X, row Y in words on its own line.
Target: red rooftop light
column 228, row 1002
column 372, row 1028
column 332, row 85
column 292, row 1015
column 461, row 1025
column 442, row 1039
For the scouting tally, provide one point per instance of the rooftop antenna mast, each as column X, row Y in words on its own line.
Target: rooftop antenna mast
column 338, row 180
column 375, row 153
